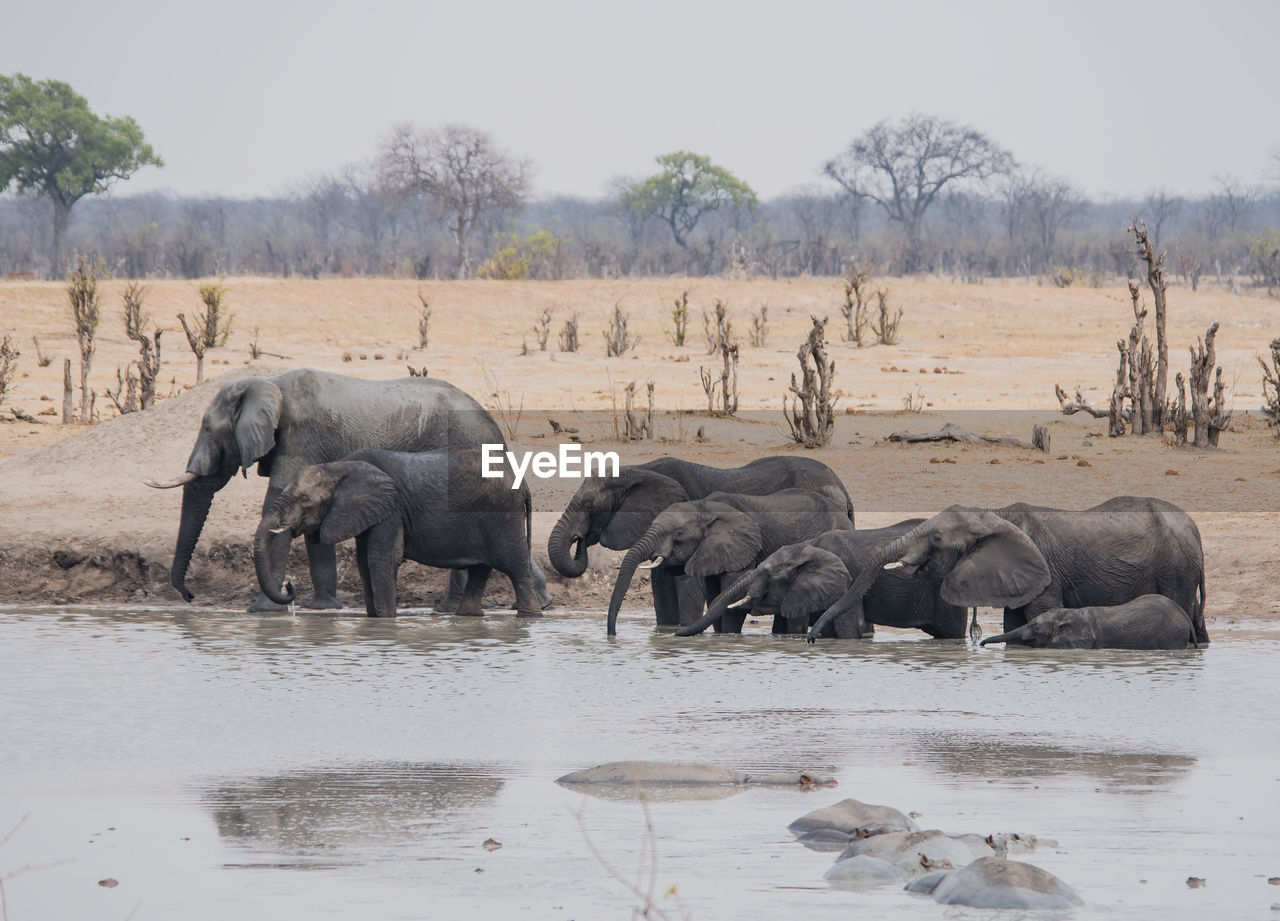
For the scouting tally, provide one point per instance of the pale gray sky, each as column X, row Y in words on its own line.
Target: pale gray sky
column 245, row 98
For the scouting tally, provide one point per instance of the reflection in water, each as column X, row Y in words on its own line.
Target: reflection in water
column 355, row 809
column 1003, row 757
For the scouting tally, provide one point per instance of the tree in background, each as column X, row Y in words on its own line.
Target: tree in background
column 687, row 187
column 53, row 145
column 903, row 167
column 461, row 172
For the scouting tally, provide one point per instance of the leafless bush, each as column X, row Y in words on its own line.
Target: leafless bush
column 569, row 334
column 424, row 321
column 811, row 415
column 722, row 400
column 886, row 327
column 196, row 341
column 125, row 396
column 417, row 372
column 617, row 341
column 148, row 364
column 1271, row 386
column 913, row 401
column 506, row 410
column 8, row 365
column 542, row 329
column 679, row 319
column 42, row 359
column 637, row 428
column 82, row 295
column 760, row 326
column 719, row 333
column 855, row 304
column 214, row 327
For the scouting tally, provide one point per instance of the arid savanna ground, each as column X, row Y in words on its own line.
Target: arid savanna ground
column 983, row 356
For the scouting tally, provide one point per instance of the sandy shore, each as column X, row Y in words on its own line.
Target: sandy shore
column 76, row 523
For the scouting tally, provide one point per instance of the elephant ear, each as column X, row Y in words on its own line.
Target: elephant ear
column 818, row 581
column 362, row 497
column 257, row 420
column 731, row 541
column 1004, row 569
column 642, row 496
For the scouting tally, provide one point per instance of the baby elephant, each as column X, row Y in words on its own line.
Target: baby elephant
column 432, row 508
column 1147, row 622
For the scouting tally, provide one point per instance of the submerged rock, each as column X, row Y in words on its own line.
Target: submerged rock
column 919, row 851
column 688, row 772
column 863, row 873
column 997, row 882
column 831, row 828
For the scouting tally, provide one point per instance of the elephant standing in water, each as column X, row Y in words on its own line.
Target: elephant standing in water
column 433, row 508
column 1149, row 622
column 1029, row 559
column 723, row 534
column 798, row 582
column 304, row 417
column 615, row 511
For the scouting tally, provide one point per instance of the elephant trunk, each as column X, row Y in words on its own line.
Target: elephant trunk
column 639, row 552
column 1019, row 636
column 569, row 530
column 721, row 604
column 891, row 551
column 270, row 582
column 197, row 497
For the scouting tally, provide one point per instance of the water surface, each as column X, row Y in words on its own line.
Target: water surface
column 220, row 764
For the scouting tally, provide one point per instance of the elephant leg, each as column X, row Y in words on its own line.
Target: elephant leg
column 528, row 598
column 277, row 557
column 730, row 621
column 380, row 549
column 539, row 585
column 453, row 597
column 666, row 600
column 473, row 594
column 323, row 561
column 691, row 599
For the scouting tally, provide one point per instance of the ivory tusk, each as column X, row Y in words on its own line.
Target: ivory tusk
column 896, row 564
column 655, row 562
column 739, row 605
column 279, row 530
column 180, row 481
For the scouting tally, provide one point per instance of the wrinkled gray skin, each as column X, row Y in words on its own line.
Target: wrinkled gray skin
column 864, row 872
column 615, row 511
column 432, row 508
column 919, row 851
column 1149, row 622
column 1030, row 559
column 304, row 417
column 832, row 828
column 798, row 582
column 716, row 538
column 996, row 882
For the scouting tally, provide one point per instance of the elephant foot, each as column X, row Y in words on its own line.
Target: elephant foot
column 462, row 613
column 528, row 613
column 449, row 606
column 264, row 605
column 322, row 603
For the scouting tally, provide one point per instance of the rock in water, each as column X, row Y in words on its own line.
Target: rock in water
column 864, row 873
column 997, row 882
column 687, row 772
column 833, row 827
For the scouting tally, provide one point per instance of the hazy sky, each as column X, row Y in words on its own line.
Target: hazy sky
column 248, row 98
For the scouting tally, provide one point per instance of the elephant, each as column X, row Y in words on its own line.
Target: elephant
column 997, row 882
column 1030, row 559
column 305, row 417
column 432, row 507
column 724, row 534
column 799, row 581
column 1148, row 622
column 615, row 511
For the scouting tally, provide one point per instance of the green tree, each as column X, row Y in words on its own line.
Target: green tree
column 51, row 144
column 687, row 187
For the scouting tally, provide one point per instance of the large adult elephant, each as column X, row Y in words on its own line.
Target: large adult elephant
column 1029, row 559
column 303, row 417
column 799, row 581
column 716, row 538
column 615, row 511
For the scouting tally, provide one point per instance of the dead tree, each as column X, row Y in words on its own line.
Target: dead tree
column 8, row 365
column 1155, row 279
column 542, row 329
column 197, row 344
column 569, row 335
column 886, row 327
column 68, row 412
column 637, row 428
column 1177, row 416
column 82, row 294
column 214, row 327
column 148, row 363
column 719, row 333
column 760, row 326
column 126, row 387
column 811, row 415
column 42, row 359
column 1142, row 384
column 855, row 304
column 1209, row 415
column 679, row 319
column 424, row 321
column 1271, row 386
column 727, row 393
column 617, row 341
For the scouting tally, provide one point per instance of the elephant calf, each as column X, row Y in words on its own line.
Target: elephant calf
column 1147, row 622
column 432, row 508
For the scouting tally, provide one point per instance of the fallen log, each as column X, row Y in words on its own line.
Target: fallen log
column 954, row 433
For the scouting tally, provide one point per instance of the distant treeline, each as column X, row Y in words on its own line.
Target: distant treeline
column 345, row 225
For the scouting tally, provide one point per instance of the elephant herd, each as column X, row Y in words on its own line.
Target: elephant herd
column 396, row 465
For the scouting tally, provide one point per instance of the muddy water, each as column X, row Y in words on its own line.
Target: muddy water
column 222, row 765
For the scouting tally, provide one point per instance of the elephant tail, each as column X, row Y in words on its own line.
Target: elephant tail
column 1199, row 635
column 528, row 518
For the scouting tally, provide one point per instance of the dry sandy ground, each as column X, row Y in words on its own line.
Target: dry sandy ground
column 985, row 356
